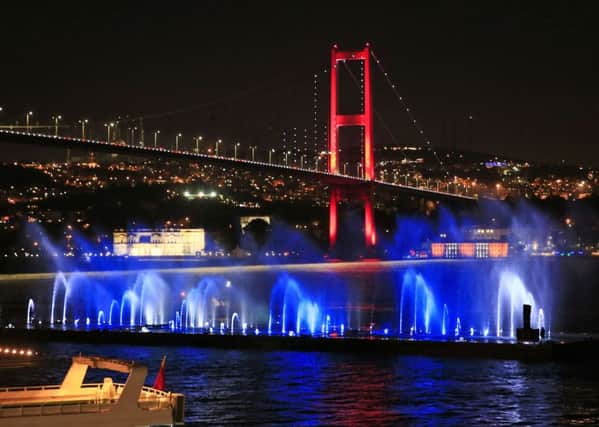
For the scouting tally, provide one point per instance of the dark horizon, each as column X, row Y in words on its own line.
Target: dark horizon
column 525, row 73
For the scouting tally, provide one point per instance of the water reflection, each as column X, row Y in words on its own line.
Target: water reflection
column 241, row 387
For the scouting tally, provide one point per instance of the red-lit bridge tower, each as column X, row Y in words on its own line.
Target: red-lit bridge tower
column 364, row 120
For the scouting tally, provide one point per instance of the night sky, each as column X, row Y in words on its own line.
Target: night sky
column 527, row 72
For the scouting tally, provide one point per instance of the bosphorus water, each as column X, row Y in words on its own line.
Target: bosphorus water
column 412, row 299
column 313, row 388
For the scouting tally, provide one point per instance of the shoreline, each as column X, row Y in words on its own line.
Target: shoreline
column 538, row 352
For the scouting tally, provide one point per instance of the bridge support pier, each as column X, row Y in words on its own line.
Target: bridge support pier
column 333, row 201
column 363, row 194
column 369, row 227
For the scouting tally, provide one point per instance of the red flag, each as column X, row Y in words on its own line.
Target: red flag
column 159, row 382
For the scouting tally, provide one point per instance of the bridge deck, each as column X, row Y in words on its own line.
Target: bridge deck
column 148, row 151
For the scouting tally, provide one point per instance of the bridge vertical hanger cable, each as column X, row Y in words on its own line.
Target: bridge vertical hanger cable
column 376, row 112
column 418, row 128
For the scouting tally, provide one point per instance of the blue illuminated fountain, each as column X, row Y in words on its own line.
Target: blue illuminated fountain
column 153, row 293
column 423, row 304
column 211, row 299
column 114, row 304
column 60, row 283
column 416, row 293
column 512, row 294
column 30, row 311
column 129, row 301
column 444, row 320
column 290, row 310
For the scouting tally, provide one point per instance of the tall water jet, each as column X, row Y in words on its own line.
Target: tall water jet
column 458, row 327
column 30, row 311
column 511, row 290
column 233, row 317
column 60, row 281
column 193, row 306
column 183, row 313
column 423, row 303
column 153, row 293
column 307, row 314
column 284, row 295
column 288, row 302
column 113, row 304
column 444, row 320
column 201, row 304
column 211, row 301
column 101, row 318
column 129, row 297
column 541, row 322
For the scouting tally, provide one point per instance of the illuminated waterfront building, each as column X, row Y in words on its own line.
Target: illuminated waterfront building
column 478, row 243
column 470, row 250
column 159, row 243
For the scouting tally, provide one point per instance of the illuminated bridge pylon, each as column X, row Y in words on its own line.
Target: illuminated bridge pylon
column 363, row 119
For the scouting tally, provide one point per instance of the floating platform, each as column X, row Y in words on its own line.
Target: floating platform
column 490, row 348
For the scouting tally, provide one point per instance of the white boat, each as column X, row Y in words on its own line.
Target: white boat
column 74, row 403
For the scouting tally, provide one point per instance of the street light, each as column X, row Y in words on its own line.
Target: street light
column 359, row 169
column 56, row 119
column 253, row 153
column 108, row 126
column 235, row 150
column 198, row 139
column 131, row 135
column 156, row 133
column 29, row 114
column 302, row 161
column 177, row 141
column 270, row 155
column 218, row 142
column 286, row 157
column 83, row 123
column 344, row 168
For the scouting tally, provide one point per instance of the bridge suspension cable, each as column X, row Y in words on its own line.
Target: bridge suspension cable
column 408, row 110
column 276, row 84
column 376, row 112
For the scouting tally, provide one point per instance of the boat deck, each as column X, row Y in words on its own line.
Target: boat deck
column 42, row 400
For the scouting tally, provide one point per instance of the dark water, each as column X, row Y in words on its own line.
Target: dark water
column 311, row 388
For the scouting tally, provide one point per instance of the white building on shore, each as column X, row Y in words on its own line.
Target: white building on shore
column 159, row 243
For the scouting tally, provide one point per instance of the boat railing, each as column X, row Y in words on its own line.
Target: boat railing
column 149, row 399
column 52, row 409
column 29, row 388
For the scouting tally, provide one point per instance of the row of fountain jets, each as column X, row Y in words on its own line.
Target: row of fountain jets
column 291, row 311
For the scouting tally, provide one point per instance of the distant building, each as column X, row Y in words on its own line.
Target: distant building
column 478, row 243
column 469, row 250
column 159, row 243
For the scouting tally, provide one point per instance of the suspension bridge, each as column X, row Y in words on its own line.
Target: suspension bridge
column 341, row 185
